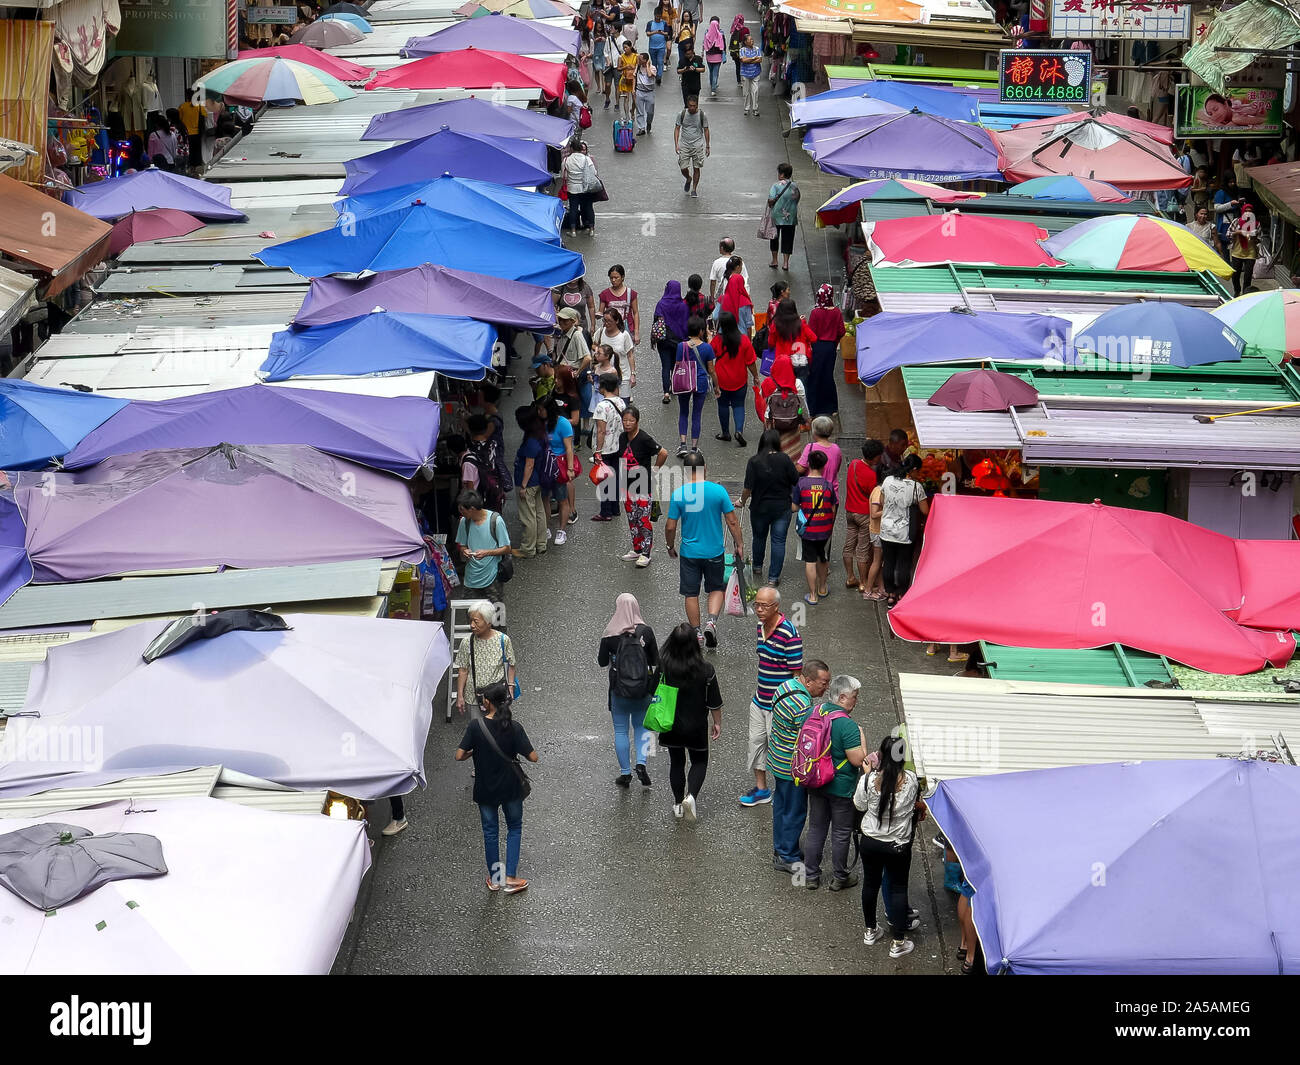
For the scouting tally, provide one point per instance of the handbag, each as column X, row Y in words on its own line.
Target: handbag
column 525, row 785
column 584, row 117
column 765, row 363
column 685, row 372
column 766, row 227
column 662, row 710
column 600, row 195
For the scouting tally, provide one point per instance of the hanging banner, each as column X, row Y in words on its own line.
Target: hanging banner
column 1200, row 111
column 1144, row 20
column 188, row 29
column 1030, row 75
column 26, row 57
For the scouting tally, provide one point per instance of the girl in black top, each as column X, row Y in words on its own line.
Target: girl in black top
column 770, row 477
column 683, row 666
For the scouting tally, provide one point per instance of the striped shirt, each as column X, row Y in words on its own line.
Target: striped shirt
column 789, row 708
column 780, row 657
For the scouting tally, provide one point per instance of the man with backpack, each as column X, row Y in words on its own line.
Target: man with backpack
column 483, row 541
column 828, row 755
column 790, row 707
column 657, row 38
column 691, row 142
column 490, row 477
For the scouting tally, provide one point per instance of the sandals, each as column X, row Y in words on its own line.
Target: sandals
column 810, row 600
column 514, row 889
column 822, row 593
column 852, row 582
column 491, row 885
column 959, row 659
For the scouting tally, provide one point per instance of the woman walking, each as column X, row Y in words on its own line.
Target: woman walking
column 600, row 59
column 624, row 300
column 785, row 407
column 822, row 431
column 690, row 402
column 826, row 323
column 682, row 666
column 583, row 183
column 783, row 202
column 669, row 329
column 735, row 365
column 494, row 740
column 628, row 648
column 484, row 657
column 788, row 334
column 891, row 804
column 627, row 64
column 899, row 492
column 770, row 478
column 735, row 40
column 735, row 298
column 639, row 454
column 715, row 52
column 685, row 36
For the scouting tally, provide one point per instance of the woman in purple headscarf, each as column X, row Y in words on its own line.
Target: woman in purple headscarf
column 669, row 330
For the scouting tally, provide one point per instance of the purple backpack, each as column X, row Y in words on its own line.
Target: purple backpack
column 812, row 766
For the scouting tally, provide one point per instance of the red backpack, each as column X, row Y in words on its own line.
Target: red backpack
column 812, row 766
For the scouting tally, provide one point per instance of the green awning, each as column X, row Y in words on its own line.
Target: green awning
column 1114, row 666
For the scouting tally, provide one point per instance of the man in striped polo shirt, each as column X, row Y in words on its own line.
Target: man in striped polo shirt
column 780, row 657
column 790, row 705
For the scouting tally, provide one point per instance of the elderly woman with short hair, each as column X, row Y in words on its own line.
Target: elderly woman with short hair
column 484, row 657
column 831, row 807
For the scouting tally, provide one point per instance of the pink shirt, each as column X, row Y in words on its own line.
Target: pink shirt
column 833, row 459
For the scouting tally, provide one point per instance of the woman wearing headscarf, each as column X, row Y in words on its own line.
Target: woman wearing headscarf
column 628, row 648
column 715, row 52
column 735, row 300
column 827, row 326
column 736, row 39
column 675, row 315
column 782, row 382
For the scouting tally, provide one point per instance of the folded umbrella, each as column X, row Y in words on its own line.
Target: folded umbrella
column 530, row 214
column 500, row 33
column 115, row 197
column 505, row 160
column 51, row 864
column 1135, row 242
column 930, row 240
column 151, row 224
column 984, row 390
column 474, row 68
column 1166, row 334
column 327, row 33
column 470, row 114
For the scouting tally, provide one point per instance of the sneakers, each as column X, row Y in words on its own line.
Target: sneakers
column 695, row 193
column 561, row 537
column 872, row 936
column 699, row 638
column 549, row 534
column 756, row 797
column 643, row 776
column 682, row 449
column 642, row 561
column 746, row 110
column 623, row 780
column 573, row 519
column 687, row 187
column 711, row 633
column 678, row 810
column 394, row 827
column 837, row 884
column 688, row 808
column 782, row 866
column 899, row 947
column 813, row 883
column 631, row 556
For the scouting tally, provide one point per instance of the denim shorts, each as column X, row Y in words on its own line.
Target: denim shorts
column 693, row 570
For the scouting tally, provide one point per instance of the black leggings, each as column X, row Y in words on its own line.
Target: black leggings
column 879, row 859
column 896, row 569
column 682, row 784
column 784, row 240
column 397, row 807
column 736, row 59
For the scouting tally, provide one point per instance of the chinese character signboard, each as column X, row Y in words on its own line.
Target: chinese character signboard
column 1027, row 75
column 1143, row 20
column 274, row 16
column 1199, row 111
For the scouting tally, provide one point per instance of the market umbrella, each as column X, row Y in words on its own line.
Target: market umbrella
column 115, row 197
column 1214, row 839
column 530, row 214
column 1153, row 130
column 501, row 33
column 15, row 566
column 843, row 207
column 344, row 9
column 429, row 289
column 333, row 65
column 893, row 338
column 814, row 111
column 397, row 433
column 348, row 18
column 1069, row 187
column 857, row 100
column 953, row 237
column 475, row 68
column 51, row 864
column 525, row 9
column 420, row 234
column 327, row 33
column 1135, row 242
column 151, row 224
column 1268, row 322
column 910, row 145
column 248, row 892
column 1168, row 334
column 39, row 423
column 254, row 81
column 244, row 506
column 448, row 153
column 984, row 390
column 332, row 702
column 470, row 114
column 383, row 342
column 1101, row 575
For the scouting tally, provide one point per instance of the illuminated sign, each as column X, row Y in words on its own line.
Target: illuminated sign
column 1027, row 75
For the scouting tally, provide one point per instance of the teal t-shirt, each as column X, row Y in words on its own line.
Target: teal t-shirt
column 699, row 507
column 845, row 735
column 480, row 572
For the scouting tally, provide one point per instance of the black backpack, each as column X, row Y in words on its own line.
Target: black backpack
column 631, row 670
column 482, row 453
column 783, row 410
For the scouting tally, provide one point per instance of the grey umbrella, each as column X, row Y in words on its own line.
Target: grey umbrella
column 327, row 33
column 49, row 865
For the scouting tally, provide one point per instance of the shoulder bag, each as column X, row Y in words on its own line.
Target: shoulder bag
column 685, row 371
column 766, row 227
column 525, row 785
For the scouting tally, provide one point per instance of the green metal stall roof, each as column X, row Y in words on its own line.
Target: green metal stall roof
column 1114, row 666
column 1267, row 681
column 957, row 278
column 938, row 75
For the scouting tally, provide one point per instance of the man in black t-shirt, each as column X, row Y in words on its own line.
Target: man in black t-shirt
column 690, row 70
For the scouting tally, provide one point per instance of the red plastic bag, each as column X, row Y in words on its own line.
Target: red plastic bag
column 599, row 471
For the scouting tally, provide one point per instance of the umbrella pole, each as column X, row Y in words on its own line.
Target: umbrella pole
column 1207, row 419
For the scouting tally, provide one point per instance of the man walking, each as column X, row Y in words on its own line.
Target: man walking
column 482, row 538
column 830, row 807
column 691, row 139
column 751, row 67
column 657, row 41
column 726, row 249
column 690, row 70
column 702, row 508
column 790, row 706
column 780, row 657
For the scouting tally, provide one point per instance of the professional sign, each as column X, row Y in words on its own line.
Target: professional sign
column 1144, row 20
column 1200, row 111
column 1028, row 75
column 189, row 29
column 273, row 16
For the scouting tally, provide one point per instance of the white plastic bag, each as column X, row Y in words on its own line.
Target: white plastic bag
column 735, row 597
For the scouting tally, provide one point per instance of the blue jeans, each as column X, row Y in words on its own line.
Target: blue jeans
column 492, row 836
column 657, row 58
column 713, row 76
column 732, row 400
column 761, row 523
column 584, row 394
column 789, row 811
column 690, row 404
column 629, row 712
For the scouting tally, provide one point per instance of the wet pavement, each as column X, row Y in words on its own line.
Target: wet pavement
column 616, row 885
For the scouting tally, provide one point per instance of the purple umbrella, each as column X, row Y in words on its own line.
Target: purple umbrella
column 499, row 33
column 471, row 115
column 984, row 390
column 145, row 189
column 397, row 434
column 15, row 567
column 1165, row 867
column 505, row 160
column 429, row 289
column 246, row 507
column 911, row 145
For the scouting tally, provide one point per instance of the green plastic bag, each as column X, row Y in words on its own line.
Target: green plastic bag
column 662, row 711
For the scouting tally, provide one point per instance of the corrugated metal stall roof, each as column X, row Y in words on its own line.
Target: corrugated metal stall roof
column 1114, row 666
column 14, row 677
column 1046, row 285
column 187, row 312
column 232, row 242
column 17, row 294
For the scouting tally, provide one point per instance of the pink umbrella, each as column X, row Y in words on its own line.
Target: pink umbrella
column 984, row 390
column 331, row 64
column 140, row 226
column 933, row 240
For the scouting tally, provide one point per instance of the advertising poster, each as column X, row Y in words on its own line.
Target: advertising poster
column 1201, row 111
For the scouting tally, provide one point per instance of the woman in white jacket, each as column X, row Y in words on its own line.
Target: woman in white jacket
column 583, row 183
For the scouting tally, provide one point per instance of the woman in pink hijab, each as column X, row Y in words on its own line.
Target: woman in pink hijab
column 715, row 52
column 629, row 649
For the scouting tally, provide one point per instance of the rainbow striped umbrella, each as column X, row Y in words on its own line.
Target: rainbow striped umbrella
column 843, row 206
column 1135, row 242
column 1269, row 322
column 1069, row 187
column 253, row 81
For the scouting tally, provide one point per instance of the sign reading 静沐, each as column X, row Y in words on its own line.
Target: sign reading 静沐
column 1027, row 75
column 1143, row 20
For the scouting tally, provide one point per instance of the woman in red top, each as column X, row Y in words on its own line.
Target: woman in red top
column 788, row 335
column 826, row 324
column 735, row 299
column 859, row 548
column 735, row 363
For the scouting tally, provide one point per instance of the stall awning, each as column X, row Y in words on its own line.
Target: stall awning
column 1279, row 187
column 17, row 293
column 58, row 240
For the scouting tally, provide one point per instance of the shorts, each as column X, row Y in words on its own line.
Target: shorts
column 692, row 570
column 691, row 157
column 816, row 550
column 875, row 539
column 760, row 727
column 558, row 492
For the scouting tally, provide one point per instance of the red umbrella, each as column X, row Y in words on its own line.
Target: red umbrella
column 331, row 64
column 933, row 240
column 140, row 226
column 474, row 68
column 984, row 390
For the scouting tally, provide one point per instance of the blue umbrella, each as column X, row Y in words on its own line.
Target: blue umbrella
column 39, row 423
column 530, row 214
column 381, row 344
column 506, row 160
column 351, row 20
column 412, row 236
column 473, row 115
column 1161, row 334
column 894, row 339
column 866, row 98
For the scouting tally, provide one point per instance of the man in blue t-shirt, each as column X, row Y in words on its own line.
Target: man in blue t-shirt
column 701, row 508
column 657, row 39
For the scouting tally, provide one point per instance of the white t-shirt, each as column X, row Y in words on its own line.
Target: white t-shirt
column 719, row 268
column 898, row 827
column 611, row 413
column 620, row 345
column 897, row 495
